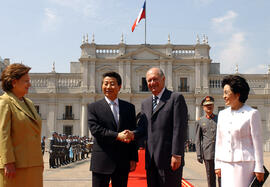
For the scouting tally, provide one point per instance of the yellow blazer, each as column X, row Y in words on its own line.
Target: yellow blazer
column 20, row 132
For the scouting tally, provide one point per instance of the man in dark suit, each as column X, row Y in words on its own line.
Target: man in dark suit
column 164, row 121
column 205, row 140
column 111, row 159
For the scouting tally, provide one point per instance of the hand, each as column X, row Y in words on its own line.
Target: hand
column 260, row 176
column 132, row 165
column 200, row 160
column 175, row 162
column 10, row 170
column 129, row 136
column 125, row 136
column 218, row 172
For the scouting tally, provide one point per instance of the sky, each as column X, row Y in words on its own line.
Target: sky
column 40, row 32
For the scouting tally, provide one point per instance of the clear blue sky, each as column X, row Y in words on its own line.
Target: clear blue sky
column 38, row 32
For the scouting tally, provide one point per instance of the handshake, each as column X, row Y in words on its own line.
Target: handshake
column 125, row 136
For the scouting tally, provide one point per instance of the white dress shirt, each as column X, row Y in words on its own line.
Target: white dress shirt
column 111, row 105
column 239, row 137
column 159, row 95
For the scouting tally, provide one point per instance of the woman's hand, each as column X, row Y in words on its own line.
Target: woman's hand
column 10, row 170
column 259, row 176
column 218, row 172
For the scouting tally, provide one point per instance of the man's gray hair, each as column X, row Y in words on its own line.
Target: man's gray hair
column 160, row 72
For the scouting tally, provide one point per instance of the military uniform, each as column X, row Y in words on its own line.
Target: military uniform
column 43, row 146
column 205, row 139
column 52, row 151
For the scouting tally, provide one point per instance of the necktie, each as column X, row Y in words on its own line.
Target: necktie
column 154, row 102
column 115, row 115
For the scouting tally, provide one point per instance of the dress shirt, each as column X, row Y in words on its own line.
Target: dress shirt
column 159, row 95
column 111, row 103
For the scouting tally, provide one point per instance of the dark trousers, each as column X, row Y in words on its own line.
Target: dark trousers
column 118, row 179
column 163, row 178
column 210, row 172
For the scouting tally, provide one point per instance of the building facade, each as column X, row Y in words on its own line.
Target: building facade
column 61, row 98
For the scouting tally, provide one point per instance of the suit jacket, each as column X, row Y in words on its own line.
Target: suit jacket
column 205, row 137
column 20, row 132
column 109, row 153
column 239, row 137
column 165, row 128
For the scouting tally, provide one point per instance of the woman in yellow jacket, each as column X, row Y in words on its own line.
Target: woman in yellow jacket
column 21, row 162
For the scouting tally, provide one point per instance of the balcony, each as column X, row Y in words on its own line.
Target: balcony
column 68, row 116
column 183, row 88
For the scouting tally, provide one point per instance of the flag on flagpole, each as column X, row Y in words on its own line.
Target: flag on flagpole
column 140, row 16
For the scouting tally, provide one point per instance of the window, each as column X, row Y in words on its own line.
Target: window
column 68, row 113
column 144, row 87
column 68, row 130
column 183, row 85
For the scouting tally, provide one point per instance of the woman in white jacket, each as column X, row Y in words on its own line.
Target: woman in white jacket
column 238, row 153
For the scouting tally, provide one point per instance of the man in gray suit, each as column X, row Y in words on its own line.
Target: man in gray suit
column 164, row 122
column 205, row 139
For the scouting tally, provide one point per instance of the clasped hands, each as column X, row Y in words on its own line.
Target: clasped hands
column 125, row 136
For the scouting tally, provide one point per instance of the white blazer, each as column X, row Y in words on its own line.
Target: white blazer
column 239, row 137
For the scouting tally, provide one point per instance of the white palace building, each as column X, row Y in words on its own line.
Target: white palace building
column 61, row 98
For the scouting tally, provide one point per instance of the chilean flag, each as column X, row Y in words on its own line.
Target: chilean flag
column 140, row 16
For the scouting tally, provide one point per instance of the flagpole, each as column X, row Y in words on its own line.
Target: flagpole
column 145, row 25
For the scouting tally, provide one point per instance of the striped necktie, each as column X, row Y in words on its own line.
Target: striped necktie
column 154, row 102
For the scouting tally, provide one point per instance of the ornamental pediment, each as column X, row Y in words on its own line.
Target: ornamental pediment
column 143, row 68
column 184, row 69
column 144, row 53
column 105, row 68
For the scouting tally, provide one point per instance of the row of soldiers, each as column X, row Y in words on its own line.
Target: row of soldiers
column 66, row 149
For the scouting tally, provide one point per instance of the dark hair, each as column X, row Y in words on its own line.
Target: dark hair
column 238, row 85
column 115, row 75
column 13, row 72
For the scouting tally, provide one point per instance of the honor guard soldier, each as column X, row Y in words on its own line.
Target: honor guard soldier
column 53, row 142
column 205, row 139
column 43, row 144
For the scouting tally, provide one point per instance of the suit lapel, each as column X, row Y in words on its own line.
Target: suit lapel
column 148, row 107
column 121, row 114
column 107, row 110
column 20, row 106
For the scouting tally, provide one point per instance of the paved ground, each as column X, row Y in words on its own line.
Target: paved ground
column 78, row 174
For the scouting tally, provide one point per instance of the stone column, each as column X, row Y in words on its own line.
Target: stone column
column 84, row 119
column 121, row 73
column 267, row 85
column 198, row 112
column 198, row 109
column 128, row 77
column 198, row 77
column 169, row 76
column 86, row 101
column 205, row 78
column 92, row 77
column 84, row 71
column 52, row 116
